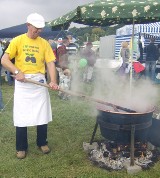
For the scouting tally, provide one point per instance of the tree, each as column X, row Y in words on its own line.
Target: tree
column 93, row 33
column 98, row 31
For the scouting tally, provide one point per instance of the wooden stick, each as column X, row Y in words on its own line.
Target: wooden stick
column 116, row 107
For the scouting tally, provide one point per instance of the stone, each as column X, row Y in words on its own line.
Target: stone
column 150, row 146
column 133, row 169
column 88, row 147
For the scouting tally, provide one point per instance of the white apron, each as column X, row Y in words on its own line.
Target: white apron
column 31, row 103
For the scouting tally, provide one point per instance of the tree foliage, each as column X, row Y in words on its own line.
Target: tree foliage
column 92, row 33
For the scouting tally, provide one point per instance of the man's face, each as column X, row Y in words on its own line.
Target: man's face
column 66, row 42
column 33, row 31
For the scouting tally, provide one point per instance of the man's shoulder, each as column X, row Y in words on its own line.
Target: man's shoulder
column 19, row 37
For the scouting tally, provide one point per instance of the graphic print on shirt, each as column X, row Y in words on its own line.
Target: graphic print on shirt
column 30, row 52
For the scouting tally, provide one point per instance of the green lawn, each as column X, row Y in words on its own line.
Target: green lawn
column 72, row 125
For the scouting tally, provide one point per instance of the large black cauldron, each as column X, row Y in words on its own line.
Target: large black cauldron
column 116, row 126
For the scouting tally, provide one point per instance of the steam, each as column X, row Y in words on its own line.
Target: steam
column 140, row 95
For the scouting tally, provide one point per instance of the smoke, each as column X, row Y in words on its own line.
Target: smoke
column 139, row 95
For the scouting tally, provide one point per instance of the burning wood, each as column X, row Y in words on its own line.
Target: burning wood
column 113, row 156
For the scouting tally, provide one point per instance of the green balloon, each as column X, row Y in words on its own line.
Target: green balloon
column 82, row 62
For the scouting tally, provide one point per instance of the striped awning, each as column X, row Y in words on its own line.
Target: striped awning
column 147, row 29
column 150, row 28
column 149, row 36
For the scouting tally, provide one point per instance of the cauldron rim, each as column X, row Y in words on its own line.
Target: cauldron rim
column 126, row 113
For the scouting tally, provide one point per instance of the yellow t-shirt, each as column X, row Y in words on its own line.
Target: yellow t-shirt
column 30, row 54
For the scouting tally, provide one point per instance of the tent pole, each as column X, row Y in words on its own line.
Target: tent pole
column 131, row 71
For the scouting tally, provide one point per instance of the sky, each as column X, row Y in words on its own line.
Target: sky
column 15, row 12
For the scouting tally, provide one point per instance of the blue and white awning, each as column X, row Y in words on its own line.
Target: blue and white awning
column 150, row 28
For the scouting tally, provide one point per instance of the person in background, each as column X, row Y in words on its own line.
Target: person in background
column 151, row 58
column 62, row 62
column 54, row 49
column 90, row 56
column 125, row 55
column 10, row 79
column 72, row 47
column 65, row 84
column 73, row 56
column 1, row 100
column 32, row 105
column 62, row 54
column 158, row 46
column 140, row 51
column 1, row 53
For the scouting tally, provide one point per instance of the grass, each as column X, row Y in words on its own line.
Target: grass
column 72, row 125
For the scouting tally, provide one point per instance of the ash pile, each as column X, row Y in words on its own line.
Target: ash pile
column 116, row 156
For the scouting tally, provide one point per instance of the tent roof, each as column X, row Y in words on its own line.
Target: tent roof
column 14, row 31
column 110, row 12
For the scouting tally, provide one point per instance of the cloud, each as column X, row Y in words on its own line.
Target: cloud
column 14, row 12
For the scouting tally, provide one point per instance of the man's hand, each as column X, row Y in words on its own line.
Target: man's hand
column 20, row 77
column 53, row 86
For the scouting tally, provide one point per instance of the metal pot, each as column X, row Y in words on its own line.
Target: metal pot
column 116, row 126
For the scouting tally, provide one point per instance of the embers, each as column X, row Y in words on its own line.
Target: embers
column 115, row 156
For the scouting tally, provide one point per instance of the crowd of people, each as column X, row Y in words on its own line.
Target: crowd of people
column 68, row 56
column 147, row 66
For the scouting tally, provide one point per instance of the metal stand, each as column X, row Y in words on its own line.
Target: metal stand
column 131, row 128
column 94, row 132
column 132, row 145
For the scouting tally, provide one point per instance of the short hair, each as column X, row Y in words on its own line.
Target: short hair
column 152, row 40
column 89, row 44
column 124, row 44
column 65, row 38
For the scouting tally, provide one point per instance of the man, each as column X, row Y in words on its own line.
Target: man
column 62, row 64
column 10, row 79
column 72, row 48
column 31, row 102
column 1, row 101
column 90, row 56
column 151, row 58
column 62, row 54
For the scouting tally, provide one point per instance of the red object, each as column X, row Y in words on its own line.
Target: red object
column 138, row 67
column 89, row 44
column 55, row 52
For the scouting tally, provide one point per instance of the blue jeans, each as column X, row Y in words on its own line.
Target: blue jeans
column 9, row 78
column 22, row 140
column 1, row 101
column 150, row 69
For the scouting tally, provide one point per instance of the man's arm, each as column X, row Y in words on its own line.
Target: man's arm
column 52, row 73
column 6, row 62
